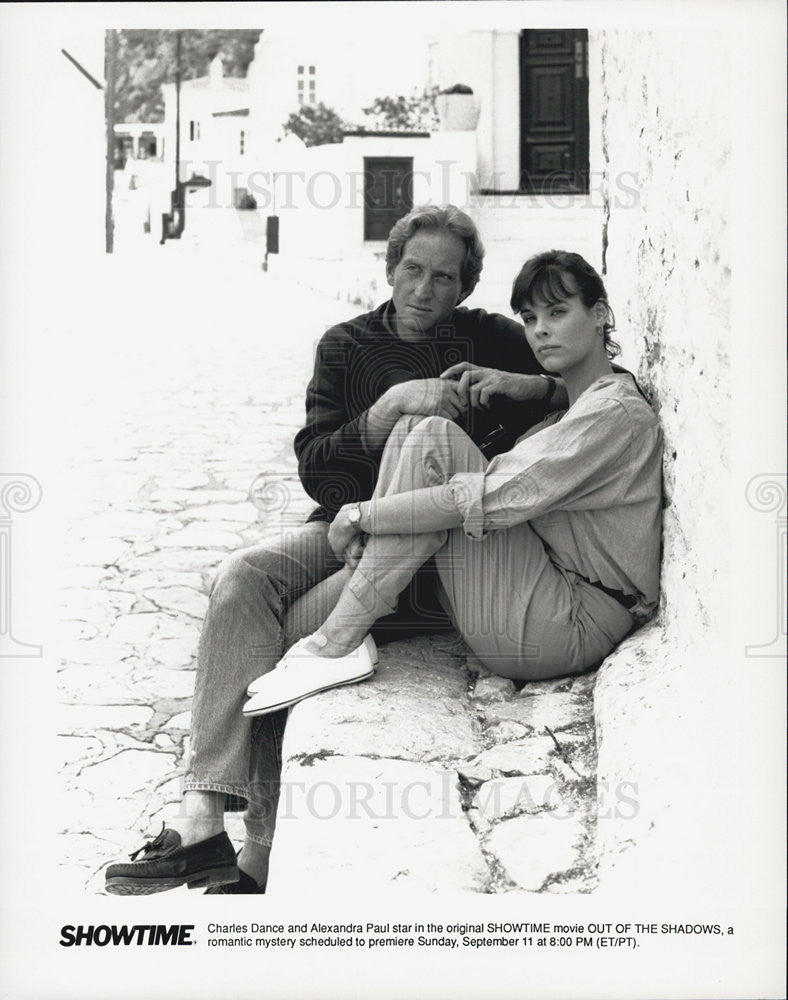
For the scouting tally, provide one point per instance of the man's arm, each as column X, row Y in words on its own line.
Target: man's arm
column 429, row 396
column 339, row 450
column 484, row 386
column 506, row 376
column 333, row 466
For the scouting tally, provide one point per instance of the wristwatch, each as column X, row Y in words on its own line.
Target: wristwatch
column 354, row 514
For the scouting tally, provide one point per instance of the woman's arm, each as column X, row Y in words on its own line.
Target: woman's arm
column 414, row 513
column 587, row 460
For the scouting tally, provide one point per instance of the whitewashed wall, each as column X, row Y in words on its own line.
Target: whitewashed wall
column 660, row 107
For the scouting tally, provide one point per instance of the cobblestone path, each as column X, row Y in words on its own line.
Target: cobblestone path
column 194, row 387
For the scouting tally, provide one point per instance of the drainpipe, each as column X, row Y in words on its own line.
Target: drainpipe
column 172, row 222
column 178, row 193
column 110, row 58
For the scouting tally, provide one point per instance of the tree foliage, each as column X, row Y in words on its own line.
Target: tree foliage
column 315, row 125
column 417, row 112
column 146, row 58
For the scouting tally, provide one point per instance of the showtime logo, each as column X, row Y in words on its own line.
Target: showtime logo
column 139, row 934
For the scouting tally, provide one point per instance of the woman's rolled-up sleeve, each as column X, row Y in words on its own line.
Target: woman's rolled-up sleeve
column 576, row 463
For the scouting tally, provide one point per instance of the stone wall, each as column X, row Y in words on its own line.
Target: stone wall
column 661, row 152
column 661, row 106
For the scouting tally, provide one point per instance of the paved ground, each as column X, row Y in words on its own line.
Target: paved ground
column 192, row 388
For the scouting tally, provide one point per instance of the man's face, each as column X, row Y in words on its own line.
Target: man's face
column 426, row 282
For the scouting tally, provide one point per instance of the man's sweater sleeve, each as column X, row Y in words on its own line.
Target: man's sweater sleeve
column 336, row 462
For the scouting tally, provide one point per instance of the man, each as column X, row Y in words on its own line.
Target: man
column 368, row 373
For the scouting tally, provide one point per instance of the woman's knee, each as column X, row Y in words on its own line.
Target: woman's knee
column 439, row 432
column 412, row 436
column 402, row 430
column 419, row 425
column 434, row 427
column 423, row 435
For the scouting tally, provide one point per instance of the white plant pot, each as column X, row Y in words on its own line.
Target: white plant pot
column 457, row 112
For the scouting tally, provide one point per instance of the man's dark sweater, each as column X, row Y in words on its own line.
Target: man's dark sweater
column 357, row 361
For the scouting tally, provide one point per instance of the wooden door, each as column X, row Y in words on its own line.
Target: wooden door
column 554, row 111
column 388, row 193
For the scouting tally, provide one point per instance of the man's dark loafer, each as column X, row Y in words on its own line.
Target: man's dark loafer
column 245, row 885
column 166, row 865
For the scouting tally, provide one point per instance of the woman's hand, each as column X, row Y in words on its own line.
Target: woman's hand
column 345, row 538
column 481, row 385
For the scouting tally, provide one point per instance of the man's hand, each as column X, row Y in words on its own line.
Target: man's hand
column 345, row 538
column 355, row 550
column 481, row 385
column 429, row 397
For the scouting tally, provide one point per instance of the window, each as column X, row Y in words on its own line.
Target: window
column 194, row 131
column 306, row 95
column 146, row 146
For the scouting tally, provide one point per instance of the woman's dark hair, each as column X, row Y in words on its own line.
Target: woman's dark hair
column 542, row 278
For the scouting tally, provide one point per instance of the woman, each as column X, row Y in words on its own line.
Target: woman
column 548, row 555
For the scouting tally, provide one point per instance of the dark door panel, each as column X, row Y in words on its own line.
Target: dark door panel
column 554, row 111
column 388, row 193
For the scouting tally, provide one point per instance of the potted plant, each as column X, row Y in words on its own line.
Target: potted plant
column 457, row 109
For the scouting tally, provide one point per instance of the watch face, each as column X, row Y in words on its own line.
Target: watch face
column 354, row 516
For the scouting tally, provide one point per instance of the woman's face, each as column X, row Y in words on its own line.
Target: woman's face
column 563, row 334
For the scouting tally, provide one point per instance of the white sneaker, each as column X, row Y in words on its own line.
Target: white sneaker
column 298, row 649
column 300, row 674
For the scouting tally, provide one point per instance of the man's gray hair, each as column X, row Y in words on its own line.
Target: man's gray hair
column 441, row 219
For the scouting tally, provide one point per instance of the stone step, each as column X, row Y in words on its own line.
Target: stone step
column 435, row 775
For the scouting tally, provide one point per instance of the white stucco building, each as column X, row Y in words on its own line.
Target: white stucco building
column 294, row 66
column 214, row 112
column 521, row 165
column 523, row 168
